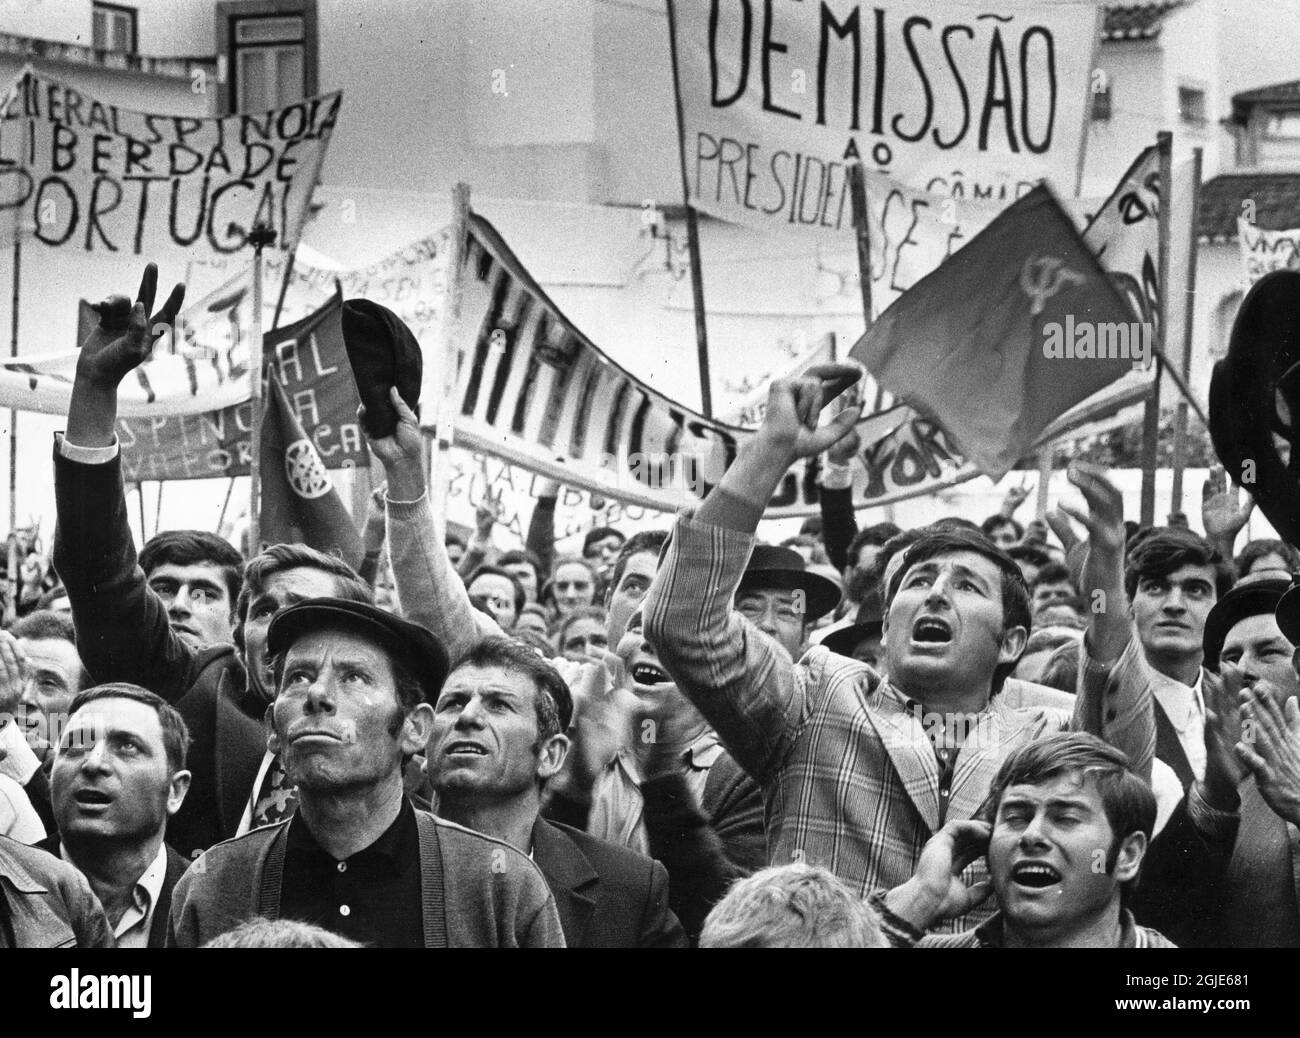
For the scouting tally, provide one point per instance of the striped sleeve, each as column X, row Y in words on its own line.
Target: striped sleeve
column 741, row 680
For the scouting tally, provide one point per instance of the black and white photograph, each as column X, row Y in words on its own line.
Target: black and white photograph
column 618, row 474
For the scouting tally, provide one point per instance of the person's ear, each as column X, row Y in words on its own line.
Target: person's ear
column 176, row 790
column 554, row 752
column 417, row 727
column 1012, row 645
column 272, row 736
column 1132, row 849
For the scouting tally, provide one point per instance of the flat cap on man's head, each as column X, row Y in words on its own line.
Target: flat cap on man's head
column 409, row 644
column 1249, row 598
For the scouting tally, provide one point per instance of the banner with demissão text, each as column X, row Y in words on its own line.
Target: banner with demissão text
column 778, row 99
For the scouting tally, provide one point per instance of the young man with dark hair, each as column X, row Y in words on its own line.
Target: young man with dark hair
column 354, row 686
column 197, row 575
column 858, row 772
column 1065, row 830
column 498, row 735
column 125, row 632
column 601, row 546
column 119, row 775
column 1172, row 579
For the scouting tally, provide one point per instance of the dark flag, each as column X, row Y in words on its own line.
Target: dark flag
column 1007, row 335
column 299, row 501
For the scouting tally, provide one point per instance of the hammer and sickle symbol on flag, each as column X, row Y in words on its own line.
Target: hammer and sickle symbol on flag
column 1042, row 277
column 305, row 470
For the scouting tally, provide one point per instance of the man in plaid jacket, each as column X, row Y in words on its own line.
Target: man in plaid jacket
column 858, row 772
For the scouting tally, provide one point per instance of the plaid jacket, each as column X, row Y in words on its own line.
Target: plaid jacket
column 849, row 776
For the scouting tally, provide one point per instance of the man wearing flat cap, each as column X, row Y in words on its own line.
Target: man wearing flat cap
column 1225, row 871
column 354, row 691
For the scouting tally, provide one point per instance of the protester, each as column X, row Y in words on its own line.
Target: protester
column 498, row 736
column 853, row 775
column 124, row 632
column 792, row 906
column 197, row 575
column 526, row 568
column 601, row 546
column 1058, row 808
column 1267, row 558
column 572, row 586
column 581, row 635
column 1172, row 579
column 355, row 686
column 502, row 592
column 119, row 775
column 48, row 903
column 781, row 597
column 279, row 933
column 1052, row 586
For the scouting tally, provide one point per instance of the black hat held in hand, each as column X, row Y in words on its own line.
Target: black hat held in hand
column 1255, row 394
column 383, row 353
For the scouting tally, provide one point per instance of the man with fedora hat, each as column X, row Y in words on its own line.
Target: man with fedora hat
column 780, row 597
column 1224, row 871
column 860, row 640
column 354, row 691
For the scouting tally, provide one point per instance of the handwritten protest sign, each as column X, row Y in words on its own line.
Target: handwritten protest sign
column 90, row 175
column 1263, row 251
column 776, row 99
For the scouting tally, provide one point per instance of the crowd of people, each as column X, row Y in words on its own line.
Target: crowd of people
column 1072, row 732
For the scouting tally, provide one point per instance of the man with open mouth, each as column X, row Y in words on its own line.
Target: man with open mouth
column 498, row 737
column 119, row 775
column 1065, row 831
column 858, row 771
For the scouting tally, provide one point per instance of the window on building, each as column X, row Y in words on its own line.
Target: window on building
column 1191, row 105
column 1285, row 123
column 1101, row 100
column 113, row 28
column 268, row 52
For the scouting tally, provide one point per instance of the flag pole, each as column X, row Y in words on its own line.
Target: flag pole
column 12, row 572
column 1180, row 415
column 259, row 237
column 692, row 234
column 862, row 231
column 445, row 384
column 1151, row 416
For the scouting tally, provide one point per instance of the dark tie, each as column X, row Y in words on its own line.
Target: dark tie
column 276, row 800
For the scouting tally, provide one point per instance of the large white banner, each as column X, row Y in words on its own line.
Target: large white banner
column 88, row 175
column 777, row 98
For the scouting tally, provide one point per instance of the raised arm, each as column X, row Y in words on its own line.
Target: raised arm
column 123, row 632
column 429, row 590
column 744, row 684
column 1115, row 699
